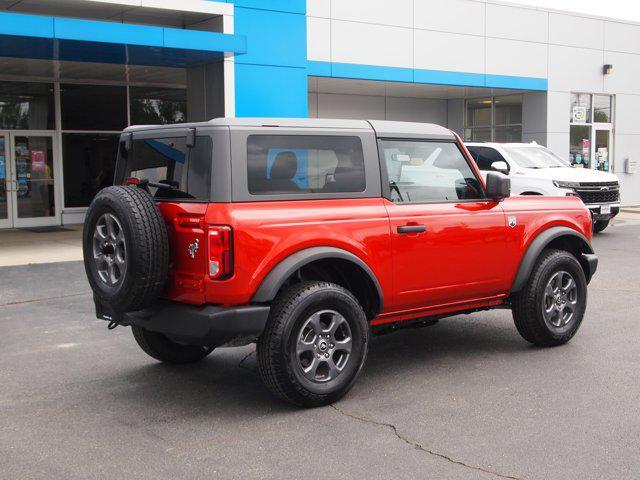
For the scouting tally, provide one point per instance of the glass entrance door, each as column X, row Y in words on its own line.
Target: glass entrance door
column 5, row 182
column 29, row 169
column 602, row 149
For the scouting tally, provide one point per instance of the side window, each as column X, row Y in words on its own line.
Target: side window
column 421, row 171
column 486, row 156
column 295, row 164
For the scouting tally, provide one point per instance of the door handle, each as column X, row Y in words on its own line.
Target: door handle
column 411, row 228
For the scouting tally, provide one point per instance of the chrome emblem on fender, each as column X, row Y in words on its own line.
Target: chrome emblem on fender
column 512, row 221
column 193, row 248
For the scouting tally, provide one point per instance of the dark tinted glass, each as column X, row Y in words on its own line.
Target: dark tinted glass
column 26, row 106
column 429, row 172
column 187, row 171
column 158, row 106
column 89, row 161
column 93, row 107
column 304, row 164
column 484, row 157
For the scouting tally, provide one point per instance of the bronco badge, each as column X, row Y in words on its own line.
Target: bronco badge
column 193, row 248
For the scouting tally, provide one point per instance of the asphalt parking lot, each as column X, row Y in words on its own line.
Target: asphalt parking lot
column 466, row 398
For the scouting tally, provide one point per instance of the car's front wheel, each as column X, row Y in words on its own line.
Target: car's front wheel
column 314, row 345
column 550, row 308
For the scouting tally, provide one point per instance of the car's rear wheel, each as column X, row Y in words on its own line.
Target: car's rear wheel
column 315, row 344
column 550, row 308
column 162, row 348
column 600, row 225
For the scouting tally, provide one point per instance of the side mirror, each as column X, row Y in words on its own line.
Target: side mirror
column 498, row 186
column 500, row 166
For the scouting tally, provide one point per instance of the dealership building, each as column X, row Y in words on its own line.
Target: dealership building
column 74, row 73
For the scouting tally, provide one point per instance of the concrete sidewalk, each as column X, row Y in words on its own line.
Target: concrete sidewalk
column 27, row 246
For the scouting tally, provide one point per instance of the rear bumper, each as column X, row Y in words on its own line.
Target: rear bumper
column 209, row 325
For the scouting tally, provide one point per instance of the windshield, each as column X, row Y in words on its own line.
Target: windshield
column 535, row 157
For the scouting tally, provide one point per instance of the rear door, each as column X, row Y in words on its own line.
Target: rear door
column 447, row 238
column 163, row 156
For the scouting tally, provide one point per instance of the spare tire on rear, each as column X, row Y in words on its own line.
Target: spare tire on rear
column 126, row 249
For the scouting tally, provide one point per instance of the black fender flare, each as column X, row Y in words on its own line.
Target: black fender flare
column 588, row 261
column 271, row 284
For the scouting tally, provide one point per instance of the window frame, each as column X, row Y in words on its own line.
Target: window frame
column 384, row 174
column 239, row 166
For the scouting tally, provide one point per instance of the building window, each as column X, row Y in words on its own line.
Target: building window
column 590, row 131
column 153, row 106
column 89, row 164
column 93, row 107
column 494, row 119
column 26, row 106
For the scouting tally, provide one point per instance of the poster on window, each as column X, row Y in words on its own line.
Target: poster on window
column 579, row 115
column 37, row 161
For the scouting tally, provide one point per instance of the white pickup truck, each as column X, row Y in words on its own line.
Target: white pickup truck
column 536, row 170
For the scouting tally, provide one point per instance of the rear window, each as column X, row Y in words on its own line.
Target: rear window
column 187, row 171
column 297, row 164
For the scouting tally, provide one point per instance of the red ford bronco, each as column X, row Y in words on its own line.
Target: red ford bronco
column 307, row 236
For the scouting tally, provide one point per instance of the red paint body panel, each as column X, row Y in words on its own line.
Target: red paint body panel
column 466, row 258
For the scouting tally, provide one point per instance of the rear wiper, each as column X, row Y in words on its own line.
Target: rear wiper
column 165, row 184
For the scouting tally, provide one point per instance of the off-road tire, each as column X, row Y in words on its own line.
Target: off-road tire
column 161, row 348
column 276, row 360
column 527, row 305
column 147, row 248
column 600, row 225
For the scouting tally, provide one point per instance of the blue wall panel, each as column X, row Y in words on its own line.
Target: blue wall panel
column 271, row 78
column 267, row 91
column 274, row 38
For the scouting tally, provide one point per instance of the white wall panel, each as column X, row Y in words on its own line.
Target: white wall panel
column 319, row 8
column 621, row 37
column 626, row 73
column 559, row 143
column 517, row 23
column 416, row 110
column 558, row 107
column 448, row 51
column 627, row 114
column 396, row 12
column 512, row 57
column 627, row 146
column 371, row 44
column 319, row 39
column 458, row 16
column 575, row 69
column 350, row 106
column 574, row 31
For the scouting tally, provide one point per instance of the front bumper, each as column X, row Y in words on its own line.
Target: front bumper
column 596, row 210
column 208, row 325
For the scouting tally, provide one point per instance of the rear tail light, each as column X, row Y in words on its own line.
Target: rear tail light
column 220, row 243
